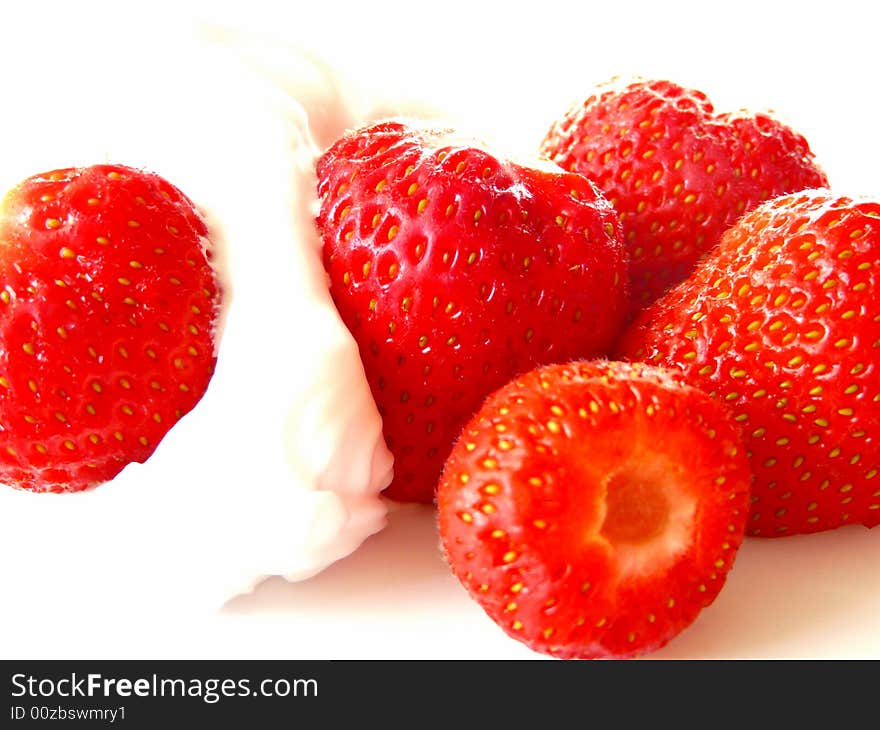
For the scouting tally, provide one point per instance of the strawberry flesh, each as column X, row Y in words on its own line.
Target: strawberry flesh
column 594, row 509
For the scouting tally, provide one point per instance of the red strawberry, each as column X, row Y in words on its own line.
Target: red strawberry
column 782, row 324
column 455, row 270
column 594, row 509
column 677, row 173
column 107, row 307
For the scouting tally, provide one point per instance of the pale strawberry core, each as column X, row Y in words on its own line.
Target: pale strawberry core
column 637, row 509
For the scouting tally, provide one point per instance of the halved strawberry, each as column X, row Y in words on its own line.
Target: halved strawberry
column 454, row 270
column 594, row 509
column 107, row 311
column 677, row 172
column 782, row 324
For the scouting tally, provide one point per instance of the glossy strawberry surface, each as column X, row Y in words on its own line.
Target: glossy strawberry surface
column 107, row 311
column 782, row 325
column 455, row 269
column 677, row 172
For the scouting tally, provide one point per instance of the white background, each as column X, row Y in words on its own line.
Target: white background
column 502, row 69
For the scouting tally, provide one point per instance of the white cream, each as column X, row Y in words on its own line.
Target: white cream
column 277, row 471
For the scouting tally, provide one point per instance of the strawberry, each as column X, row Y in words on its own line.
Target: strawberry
column 782, row 324
column 454, row 270
column 677, row 173
column 107, row 308
column 593, row 509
